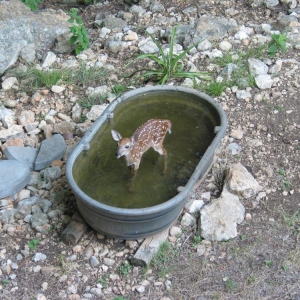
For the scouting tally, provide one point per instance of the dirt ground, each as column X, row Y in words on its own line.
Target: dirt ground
column 263, row 262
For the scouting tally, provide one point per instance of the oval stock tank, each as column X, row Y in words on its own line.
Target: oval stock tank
column 100, row 181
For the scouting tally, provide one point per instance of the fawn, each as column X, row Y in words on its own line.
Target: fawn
column 150, row 134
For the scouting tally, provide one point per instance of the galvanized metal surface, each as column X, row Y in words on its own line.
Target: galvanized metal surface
column 139, row 223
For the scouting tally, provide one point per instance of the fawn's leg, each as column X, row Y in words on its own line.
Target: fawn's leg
column 162, row 151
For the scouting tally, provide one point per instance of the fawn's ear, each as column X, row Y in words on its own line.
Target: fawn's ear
column 116, row 135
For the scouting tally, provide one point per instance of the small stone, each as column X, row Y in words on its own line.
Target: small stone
column 94, row 261
column 8, row 83
column 57, row 89
column 175, row 231
column 248, row 217
column 140, row 289
column 39, row 257
column 108, row 261
column 237, row 134
column 188, row 220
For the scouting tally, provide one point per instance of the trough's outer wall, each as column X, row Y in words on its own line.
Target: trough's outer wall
column 139, row 223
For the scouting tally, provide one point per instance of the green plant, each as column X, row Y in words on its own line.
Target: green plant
column 35, row 78
column 32, row 4
column 33, row 243
column 284, row 268
column 215, row 88
column 79, row 36
column 125, row 268
column 169, row 65
column 278, row 43
column 118, row 89
column 5, row 281
column 281, row 172
column 231, row 286
column 243, row 237
column 88, row 102
column 103, row 281
column 269, row 263
column 162, row 260
column 280, row 108
column 89, row 1
column 197, row 240
column 89, row 76
column 286, row 185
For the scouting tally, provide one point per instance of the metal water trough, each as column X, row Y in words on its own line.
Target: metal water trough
column 124, row 223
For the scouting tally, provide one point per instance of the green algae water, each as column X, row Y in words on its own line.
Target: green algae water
column 103, row 177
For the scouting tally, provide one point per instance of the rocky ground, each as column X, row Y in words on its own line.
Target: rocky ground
column 263, row 111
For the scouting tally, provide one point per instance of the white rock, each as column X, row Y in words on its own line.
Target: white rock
column 257, row 67
column 8, row 83
column 175, row 231
column 147, row 46
column 140, row 289
column 243, row 94
column 225, row 45
column 194, row 206
column 220, row 218
column 241, row 35
column 188, row 220
column 96, row 111
column 131, row 36
column 48, row 59
column 240, row 181
column 264, row 81
column 57, row 89
column 38, row 257
column 204, row 45
column 237, row 134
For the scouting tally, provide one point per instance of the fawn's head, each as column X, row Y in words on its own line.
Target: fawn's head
column 124, row 144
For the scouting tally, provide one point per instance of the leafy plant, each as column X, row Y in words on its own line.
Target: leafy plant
column 278, row 43
column 269, row 263
column 5, row 281
column 80, row 36
column 197, row 240
column 33, row 243
column 125, row 268
column 118, row 89
column 163, row 257
column 88, row 102
column 103, row 281
column 32, row 4
column 169, row 65
column 215, row 88
column 231, row 285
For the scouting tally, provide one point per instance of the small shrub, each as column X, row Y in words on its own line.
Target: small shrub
column 125, row 268
column 278, row 43
column 32, row 4
column 80, row 36
column 215, row 88
column 168, row 65
column 33, row 243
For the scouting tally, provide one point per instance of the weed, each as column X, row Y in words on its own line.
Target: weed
column 286, row 185
column 231, row 285
column 118, row 89
column 243, row 237
column 292, row 221
column 89, row 76
column 281, row 172
column 35, row 78
column 278, row 43
column 251, row 279
column 33, row 243
column 163, row 257
column 89, row 1
column 197, row 240
column 215, row 88
column 79, row 36
column 103, row 281
column 5, row 281
column 280, row 108
column 169, row 65
column 269, row 263
column 125, row 268
column 32, row 4
column 284, row 268
column 88, row 102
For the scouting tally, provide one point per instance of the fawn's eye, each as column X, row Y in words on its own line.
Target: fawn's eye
column 127, row 146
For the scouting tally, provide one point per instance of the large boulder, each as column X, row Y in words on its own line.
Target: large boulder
column 23, row 31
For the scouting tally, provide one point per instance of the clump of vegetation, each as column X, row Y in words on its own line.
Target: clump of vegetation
column 125, row 268
column 168, row 65
column 32, row 4
column 278, row 43
column 162, row 260
column 80, row 37
column 215, row 88
column 33, row 243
